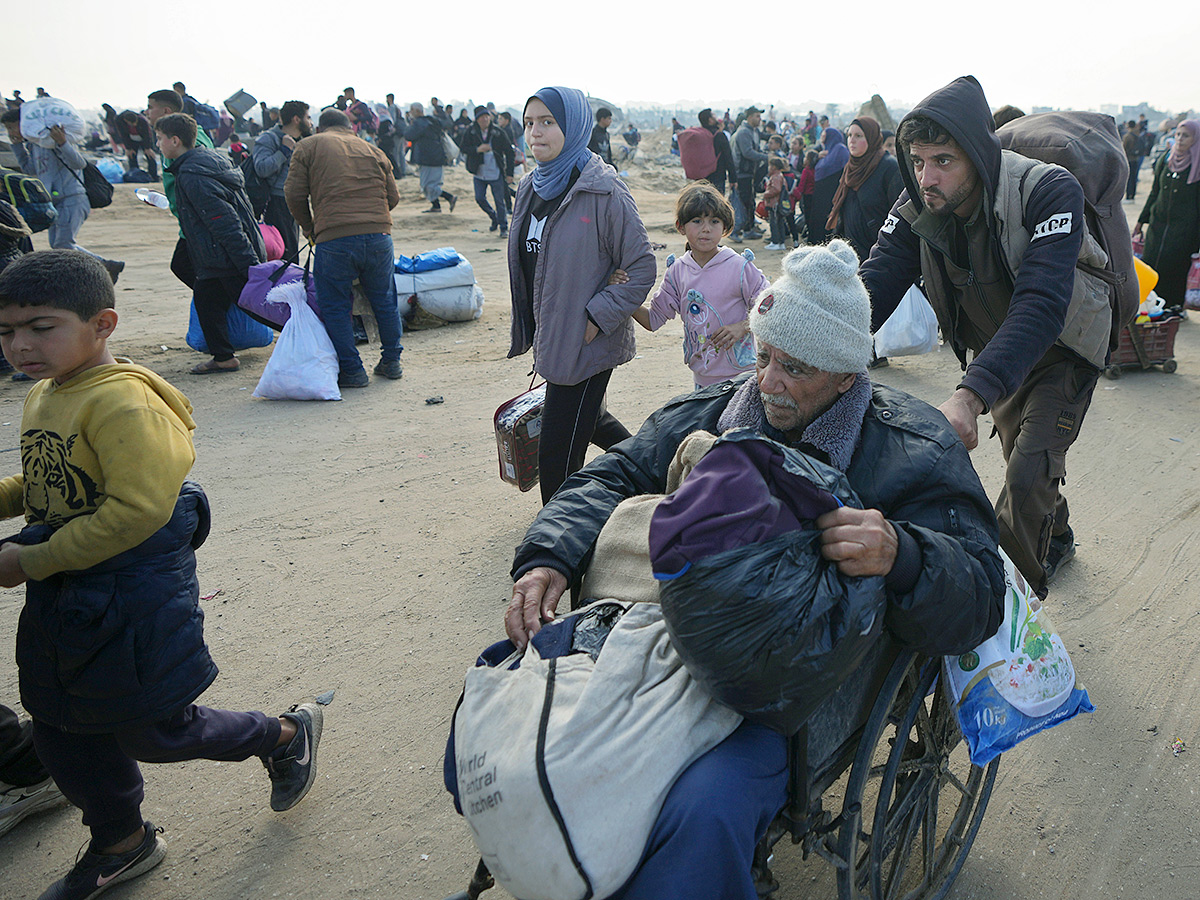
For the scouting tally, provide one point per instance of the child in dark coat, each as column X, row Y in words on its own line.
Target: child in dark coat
column 110, row 645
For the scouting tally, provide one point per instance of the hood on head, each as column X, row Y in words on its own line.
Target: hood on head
column 962, row 109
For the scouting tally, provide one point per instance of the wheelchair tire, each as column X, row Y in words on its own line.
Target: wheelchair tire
column 914, row 801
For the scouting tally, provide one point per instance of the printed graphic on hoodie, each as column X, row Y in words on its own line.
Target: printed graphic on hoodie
column 701, row 321
column 47, row 462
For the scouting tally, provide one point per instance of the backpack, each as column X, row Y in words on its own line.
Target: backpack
column 1087, row 145
column 30, row 198
column 696, row 152
column 99, row 189
column 207, row 116
column 258, row 190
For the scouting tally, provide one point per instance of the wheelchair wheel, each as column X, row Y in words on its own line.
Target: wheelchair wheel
column 913, row 801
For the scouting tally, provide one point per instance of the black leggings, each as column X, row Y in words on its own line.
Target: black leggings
column 571, row 419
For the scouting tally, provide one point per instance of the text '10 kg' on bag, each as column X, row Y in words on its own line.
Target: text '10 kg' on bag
column 1016, row 683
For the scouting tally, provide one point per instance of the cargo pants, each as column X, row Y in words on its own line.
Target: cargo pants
column 1036, row 425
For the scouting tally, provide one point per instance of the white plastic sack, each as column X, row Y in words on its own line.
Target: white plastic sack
column 451, row 294
column 303, row 365
column 561, row 800
column 909, row 331
column 37, row 117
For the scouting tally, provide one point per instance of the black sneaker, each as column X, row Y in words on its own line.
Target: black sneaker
column 293, row 767
column 115, row 267
column 389, row 368
column 453, row 199
column 495, row 225
column 1061, row 552
column 95, row 873
column 353, row 380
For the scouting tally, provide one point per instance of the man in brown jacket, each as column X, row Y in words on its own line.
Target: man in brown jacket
column 341, row 192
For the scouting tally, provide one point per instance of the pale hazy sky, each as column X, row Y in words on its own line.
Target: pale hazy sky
column 1024, row 52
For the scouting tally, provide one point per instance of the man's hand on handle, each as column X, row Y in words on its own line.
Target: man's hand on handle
column 962, row 410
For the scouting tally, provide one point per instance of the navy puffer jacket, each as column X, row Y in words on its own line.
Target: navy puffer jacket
column 121, row 644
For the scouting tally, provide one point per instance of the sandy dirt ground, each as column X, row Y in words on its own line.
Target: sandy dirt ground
column 363, row 547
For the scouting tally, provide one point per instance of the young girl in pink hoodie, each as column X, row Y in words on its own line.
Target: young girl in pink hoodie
column 710, row 287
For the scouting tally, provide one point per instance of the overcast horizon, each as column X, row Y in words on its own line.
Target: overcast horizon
column 1033, row 54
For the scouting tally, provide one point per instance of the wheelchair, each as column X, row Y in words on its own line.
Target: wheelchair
column 911, row 805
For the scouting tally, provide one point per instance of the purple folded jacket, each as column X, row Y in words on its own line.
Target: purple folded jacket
column 738, row 494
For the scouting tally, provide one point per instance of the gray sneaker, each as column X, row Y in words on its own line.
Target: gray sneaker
column 293, row 767
column 1061, row 552
column 389, row 368
column 18, row 802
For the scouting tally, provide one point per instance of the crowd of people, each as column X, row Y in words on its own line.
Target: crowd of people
column 938, row 202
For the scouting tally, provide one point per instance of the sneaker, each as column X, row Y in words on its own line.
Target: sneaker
column 293, row 767
column 95, row 873
column 1061, row 552
column 754, row 233
column 774, row 247
column 18, row 802
column 432, row 209
column 389, row 368
column 503, row 232
column 115, row 267
column 495, row 225
column 736, row 237
column 878, row 362
column 453, row 199
column 353, row 380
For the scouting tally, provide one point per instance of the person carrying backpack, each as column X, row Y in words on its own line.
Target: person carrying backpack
column 271, row 160
column 705, row 153
column 997, row 237
column 60, row 169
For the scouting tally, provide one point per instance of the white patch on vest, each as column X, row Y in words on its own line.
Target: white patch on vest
column 1056, row 224
column 889, row 224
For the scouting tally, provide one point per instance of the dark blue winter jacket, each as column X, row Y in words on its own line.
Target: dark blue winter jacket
column 121, row 644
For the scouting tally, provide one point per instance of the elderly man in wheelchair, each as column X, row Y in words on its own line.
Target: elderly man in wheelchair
column 898, row 518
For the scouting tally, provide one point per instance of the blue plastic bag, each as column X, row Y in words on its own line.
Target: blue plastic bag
column 113, row 171
column 244, row 332
column 1016, row 683
column 441, row 258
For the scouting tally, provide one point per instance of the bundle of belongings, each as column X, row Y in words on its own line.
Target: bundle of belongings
column 437, row 287
column 560, row 756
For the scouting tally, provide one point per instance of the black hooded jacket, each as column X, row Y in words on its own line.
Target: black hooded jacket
column 215, row 215
column 1040, row 290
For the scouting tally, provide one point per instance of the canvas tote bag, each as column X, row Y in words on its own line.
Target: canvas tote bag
column 563, row 764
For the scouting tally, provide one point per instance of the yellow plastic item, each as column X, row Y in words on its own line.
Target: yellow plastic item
column 1147, row 279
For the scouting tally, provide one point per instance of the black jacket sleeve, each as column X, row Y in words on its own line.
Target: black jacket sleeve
column 893, row 266
column 724, row 157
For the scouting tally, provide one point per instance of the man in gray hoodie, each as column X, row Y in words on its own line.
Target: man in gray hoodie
column 748, row 158
column 60, row 169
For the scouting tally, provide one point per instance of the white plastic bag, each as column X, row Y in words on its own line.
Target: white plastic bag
column 38, row 116
column 909, row 331
column 303, row 365
column 1016, row 683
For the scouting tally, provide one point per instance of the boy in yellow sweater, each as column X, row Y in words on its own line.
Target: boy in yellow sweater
column 110, row 645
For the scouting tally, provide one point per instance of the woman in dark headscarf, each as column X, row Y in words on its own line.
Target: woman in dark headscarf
column 869, row 185
column 828, row 174
column 1172, row 214
column 574, row 224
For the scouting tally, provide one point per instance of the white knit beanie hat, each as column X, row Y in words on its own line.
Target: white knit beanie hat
column 818, row 310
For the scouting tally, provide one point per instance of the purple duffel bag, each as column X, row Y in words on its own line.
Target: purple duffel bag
column 255, row 297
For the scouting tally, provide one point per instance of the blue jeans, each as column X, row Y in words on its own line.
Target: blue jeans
column 371, row 258
column 497, row 186
column 739, row 211
column 702, row 845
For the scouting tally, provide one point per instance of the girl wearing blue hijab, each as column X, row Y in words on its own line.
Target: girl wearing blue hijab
column 574, row 224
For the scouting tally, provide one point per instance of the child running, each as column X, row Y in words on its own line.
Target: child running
column 710, row 287
column 110, row 644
